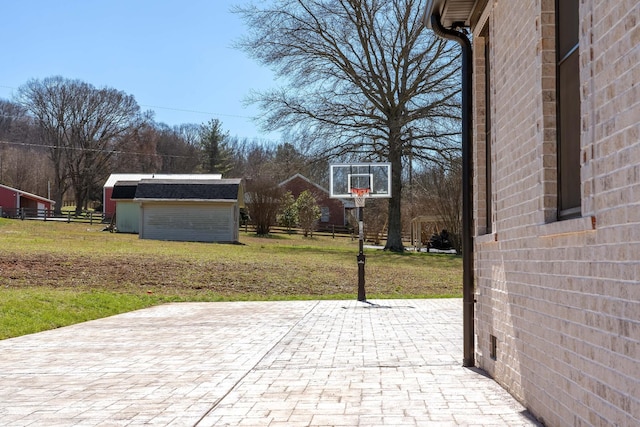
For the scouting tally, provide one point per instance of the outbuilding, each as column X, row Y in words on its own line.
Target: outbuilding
column 16, row 203
column 109, row 203
column 190, row 210
column 127, row 211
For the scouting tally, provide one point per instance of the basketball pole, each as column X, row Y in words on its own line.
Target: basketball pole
column 361, row 257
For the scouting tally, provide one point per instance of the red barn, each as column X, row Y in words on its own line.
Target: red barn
column 14, row 202
column 333, row 210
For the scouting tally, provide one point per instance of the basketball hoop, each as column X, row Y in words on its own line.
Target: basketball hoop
column 359, row 194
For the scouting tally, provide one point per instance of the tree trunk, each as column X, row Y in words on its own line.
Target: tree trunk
column 79, row 201
column 58, row 189
column 394, row 231
column 57, row 198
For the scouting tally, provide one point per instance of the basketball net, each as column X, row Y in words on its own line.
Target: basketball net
column 359, row 195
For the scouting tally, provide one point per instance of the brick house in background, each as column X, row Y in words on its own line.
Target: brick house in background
column 556, row 196
column 332, row 210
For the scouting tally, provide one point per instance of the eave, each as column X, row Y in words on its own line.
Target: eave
column 455, row 13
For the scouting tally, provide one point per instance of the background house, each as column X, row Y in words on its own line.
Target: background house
column 556, row 190
column 13, row 202
column 332, row 210
column 190, row 210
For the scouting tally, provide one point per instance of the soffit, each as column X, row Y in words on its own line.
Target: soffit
column 463, row 13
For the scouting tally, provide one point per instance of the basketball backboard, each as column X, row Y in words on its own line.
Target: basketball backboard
column 376, row 177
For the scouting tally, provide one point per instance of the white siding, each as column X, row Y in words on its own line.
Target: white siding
column 201, row 222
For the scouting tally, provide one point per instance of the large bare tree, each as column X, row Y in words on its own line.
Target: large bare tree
column 364, row 80
column 82, row 126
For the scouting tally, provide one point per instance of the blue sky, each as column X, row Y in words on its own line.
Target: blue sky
column 172, row 54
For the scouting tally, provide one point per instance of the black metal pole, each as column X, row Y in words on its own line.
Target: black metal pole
column 361, row 258
column 468, row 297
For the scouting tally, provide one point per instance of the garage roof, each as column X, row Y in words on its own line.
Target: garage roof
column 124, row 190
column 203, row 190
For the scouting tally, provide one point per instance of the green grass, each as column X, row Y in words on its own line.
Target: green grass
column 54, row 274
column 25, row 311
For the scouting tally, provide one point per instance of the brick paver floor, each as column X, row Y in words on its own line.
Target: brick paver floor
column 298, row 363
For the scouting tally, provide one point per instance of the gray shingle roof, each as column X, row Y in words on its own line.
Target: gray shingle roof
column 124, row 190
column 218, row 189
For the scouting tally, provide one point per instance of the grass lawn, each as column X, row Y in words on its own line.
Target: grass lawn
column 55, row 274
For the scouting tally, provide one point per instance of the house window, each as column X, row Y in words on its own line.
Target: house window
column 324, row 214
column 487, row 119
column 568, row 108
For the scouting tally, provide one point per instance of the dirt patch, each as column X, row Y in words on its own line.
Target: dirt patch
column 165, row 275
column 188, row 278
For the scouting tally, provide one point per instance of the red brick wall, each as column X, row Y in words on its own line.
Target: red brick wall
column 336, row 210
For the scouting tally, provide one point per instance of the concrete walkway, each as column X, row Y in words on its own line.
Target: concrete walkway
column 302, row 363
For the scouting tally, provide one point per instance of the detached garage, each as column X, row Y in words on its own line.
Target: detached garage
column 109, row 202
column 190, row 210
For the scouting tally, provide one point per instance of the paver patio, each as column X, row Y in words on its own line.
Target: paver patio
column 297, row 363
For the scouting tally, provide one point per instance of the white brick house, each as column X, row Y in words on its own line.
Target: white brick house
column 556, row 202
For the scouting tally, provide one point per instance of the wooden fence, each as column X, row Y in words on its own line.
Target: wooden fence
column 49, row 215
column 91, row 217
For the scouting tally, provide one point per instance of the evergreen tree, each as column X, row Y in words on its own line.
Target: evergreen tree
column 215, row 152
column 289, row 211
column 308, row 212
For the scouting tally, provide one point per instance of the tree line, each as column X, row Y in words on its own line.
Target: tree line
column 65, row 137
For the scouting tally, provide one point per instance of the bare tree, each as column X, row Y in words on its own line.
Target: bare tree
column 365, row 81
column 15, row 125
column 439, row 189
column 24, row 167
column 138, row 151
column 288, row 161
column 179, row 153
column 189, row 132
column 264, row 202
column 82, row 126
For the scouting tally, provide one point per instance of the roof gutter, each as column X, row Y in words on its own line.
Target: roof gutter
column 467, row 188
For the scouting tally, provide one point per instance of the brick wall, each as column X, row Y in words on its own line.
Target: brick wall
column 561, row 298
column 297, row 184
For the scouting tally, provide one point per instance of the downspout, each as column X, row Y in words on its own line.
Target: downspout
column 467, row 187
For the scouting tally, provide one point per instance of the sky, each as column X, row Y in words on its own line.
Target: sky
column 174, row 56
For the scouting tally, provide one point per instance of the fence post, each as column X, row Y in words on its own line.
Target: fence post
column 90, row 218
column 69, row 216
